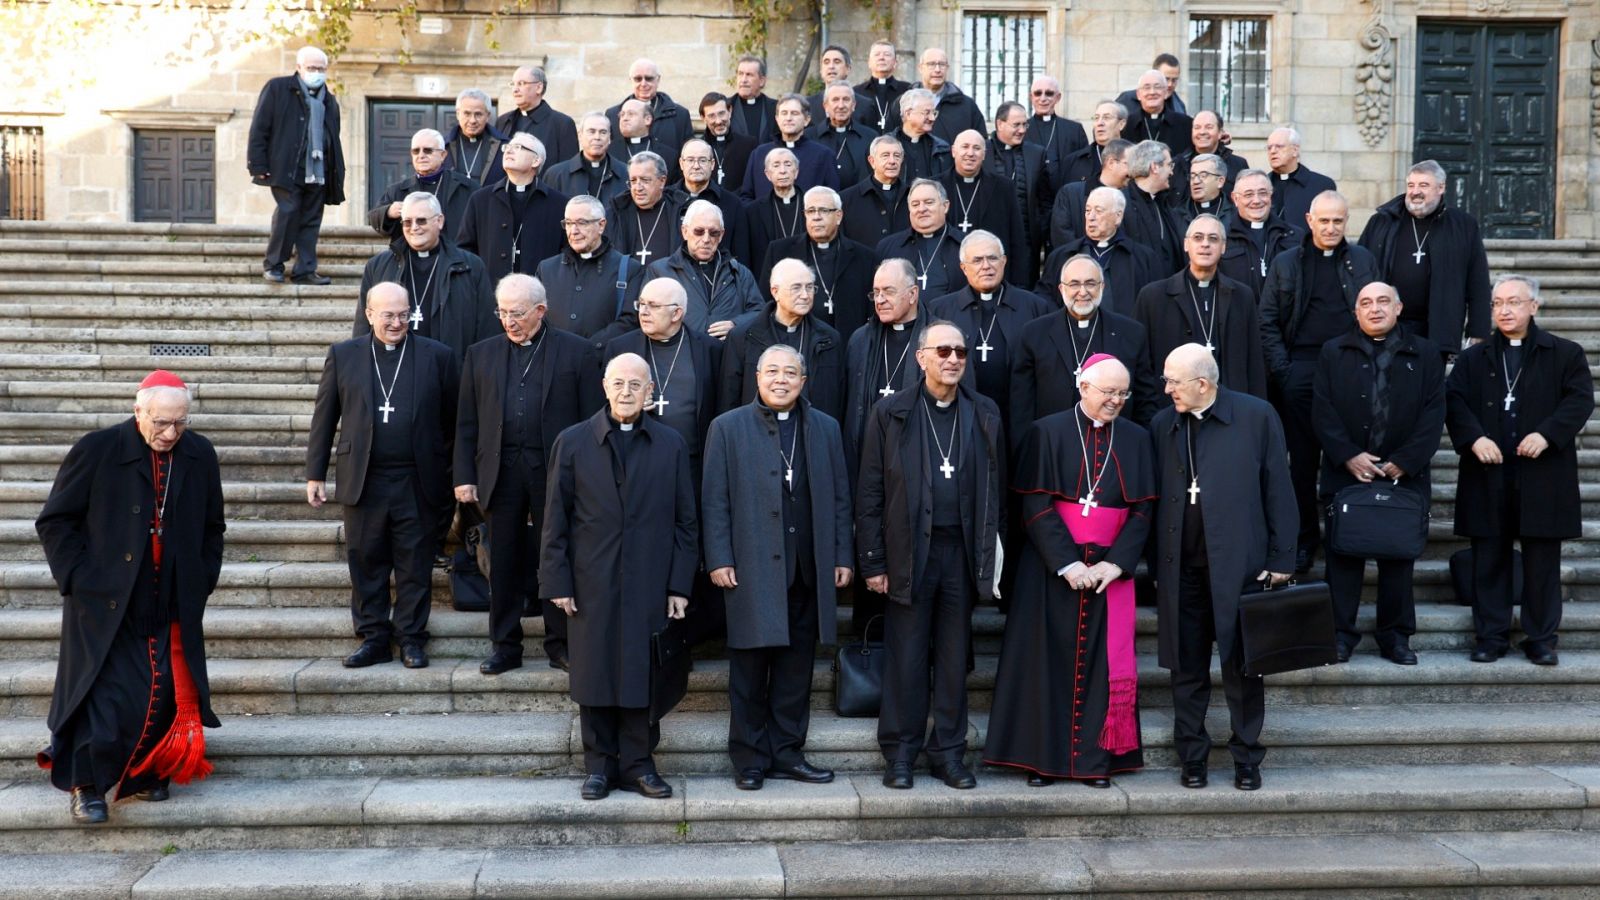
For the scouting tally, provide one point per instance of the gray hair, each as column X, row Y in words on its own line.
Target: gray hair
column 429, row 133
column 1430, row 168
column 908, row 272
column 922, row 339
column 1531, row 282
column 701, row 208
column 143, row 396
column 885, row 139
column 1252, row 173
column 977, row 235
column 518, row 286
column 1206, row 217
column 915, row 95
column 590, row 203
column 651, row 157
column 799, row 358
column 1121, row 111
column 474, row 94
column 775, row 152
column 431, row 201
column 536, row 73
column 824, row 191
column 929, row 182
column 537, row 146
column 841, row 83
column 1289, row 134
column 1116, row 197
column 1144, row 156
column 1082, row 257
column 1209, row 159
column 307, row 54
column 761, row 64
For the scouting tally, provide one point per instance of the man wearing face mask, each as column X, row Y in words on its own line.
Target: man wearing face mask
column 431, row 173
column 1127, row 267
column 294, row 149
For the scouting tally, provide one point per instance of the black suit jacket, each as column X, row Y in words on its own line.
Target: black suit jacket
column 824, row 355
column 453, row 190
column 732, row 155
column 758, row 120
column 1160, row 308
column 345, row 401
column 848, row 288
column 555, row 129
column 1341, row 410
column 572, row 392
column 1042, row 366
column 705, row 353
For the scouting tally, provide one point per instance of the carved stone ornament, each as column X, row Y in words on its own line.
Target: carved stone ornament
column 1594, row 88
column 1374, row 98
column 1493, row 7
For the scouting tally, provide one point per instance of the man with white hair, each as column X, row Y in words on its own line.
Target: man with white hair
column 591, row 287
column 881, row 89
column 431, row 173
column 1256, row 235
column 131, row 692
column 294, row 149
column 1412, row 231
column 876, row 207
column 532, row 114
column 836, row 127
column 1156, row 119
column 721, row 290
column 473, row 145
column 1105, row 126
column 1066, row 213
column 927, row 154
column 777, row 214
column 843, row 266
column 1058, row 135
column 1126, row 267
column 512, row 224
column 1294, row 185
column 668, row 120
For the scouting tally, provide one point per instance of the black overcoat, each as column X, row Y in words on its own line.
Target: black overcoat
column 848, row 287
column 1169, row 126
column 1014, row 308
column 872, row 213
column 277, row 145
column 1241, row 261
column 571, row 177
column 95, row 529
column 1287, row 293
column 669, row 121
column 618, row 540
column 705, row 353
column 733, row 297
column 465, row 315
column 1149, row 220
column 865, row 377
column 1042, row 367
column 1126, row 267
column 849, row 147
column 1292, row 195
column 1160, row 310
column 486, row 228
column 1059, row 137
column 555, row 130
column 1458, row 282
column 943, row 266
column 591, row 297
column 1341, row 411
column 824, row 355
column 453, row 191
column 992, row 207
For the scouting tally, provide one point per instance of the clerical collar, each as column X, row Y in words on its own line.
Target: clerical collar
column 669, row 339
column 943, row 404
column 1046, row 118
column 986, row 296
column 841, row 128
column 1201, row 412
column 749, row 101
column 883, row 81
column 790, row 144
column 1093, row 422
column 390, row 348
column 1205, row 204
column 792, row 328
column 823, row 245
column 783, row 415
column 969, row 178
column 594, row 163
column 422, row 254
column 1102, row 244
column 719, row 138
column 915, row 138
column 520, row 187
column 625, row 426
column 1327, row 253
column 588, row 255
column 1259, row 225
column 1284, row 176
column 898, row 326
column 786, row 200
column 1203, row 282
column 1515, row 342
column 637, row 140
column 886, row 186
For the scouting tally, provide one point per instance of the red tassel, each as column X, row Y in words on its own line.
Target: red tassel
column 181, row 754
column 1120, row 734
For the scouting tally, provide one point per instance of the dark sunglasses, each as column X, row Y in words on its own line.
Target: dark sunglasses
column 944, row 351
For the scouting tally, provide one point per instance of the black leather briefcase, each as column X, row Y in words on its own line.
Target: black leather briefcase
column 1287, row 627
column 1378, row 520
column 669, row 668
column 858, row 674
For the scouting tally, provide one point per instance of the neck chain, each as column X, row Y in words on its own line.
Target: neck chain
column 1098, row 254
column 388, row 392
column 1194, row 473
column 711, row 280
column 661, row 401
column 1088, row 346
column 1511, row 383
column 538, row 341
column 645, row 239
column 411, row 276
column 472, row 164
column 777, row 213
column 1087, row 501
column 827, row 292
column 717, row 154
column 883, row 111
column 983, row 333
column 1207, row 328
column 788, row 459
column 944, row 457
column 927, row 264
column 889, row 374
column 966, row 205
column 166, row 489
column 1420, row 241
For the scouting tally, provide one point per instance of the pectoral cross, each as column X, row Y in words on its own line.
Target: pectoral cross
column 828, row 304
column 948, row 470
column 661, row 405
column 1087, row 503
column 983, row 351
column 788, row 478
column 1417, row 256
column 1194, row 491
column 416, row 317
column 1209, row 348
column 386, row 408
column 643, row 253
column 515, row 253
column 1510, row 399
column 965, row 225
column 719, row 173
column 887, row 390
column 882, row 123
column 1263, row 265
column 923, row 280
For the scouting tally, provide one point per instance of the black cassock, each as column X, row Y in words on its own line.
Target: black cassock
column 1052, row 690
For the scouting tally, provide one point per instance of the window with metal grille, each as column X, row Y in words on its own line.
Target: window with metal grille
column 21, row 172
column 1229, row 69
column 1001, row 54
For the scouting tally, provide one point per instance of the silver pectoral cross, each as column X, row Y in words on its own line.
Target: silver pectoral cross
column 719, row 174
column 923, row 280
column 948, row 470
column 515, row 253
column 416, row 317
column 661, row 405
column 788, row 478
column 1417, row 256
column 1194, row 491
column 828, row 305
column 1087, row 503
column 983, row 351
column 1209, row 348
column 965, row 225
column 886, row 391
column 1510, row 399
column 386, row 408
column 643, row 254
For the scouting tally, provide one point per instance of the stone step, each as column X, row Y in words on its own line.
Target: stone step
column 131, row 368
column 301, row 341
column 247, row 541
column 14, row 229
column 264, row 430
column 331, row 318
column 112, row 249
column 226, row 812
column 274, row 465
column 223, row 271
column 180, row 296
column 1479, row 864
column 110, row 396
column 246, row 501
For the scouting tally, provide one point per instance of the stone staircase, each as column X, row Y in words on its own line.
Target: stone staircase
column 1447, row 779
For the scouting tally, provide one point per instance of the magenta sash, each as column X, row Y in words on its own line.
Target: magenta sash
column 1101, row 526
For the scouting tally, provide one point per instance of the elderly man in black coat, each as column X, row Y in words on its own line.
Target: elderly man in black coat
column 1067, row 208
column 131, row 692
column 391, row 396
column 591, row 287
column 1126, row 264
column 514, row 224
column 430, row 173
column 876, row 207
column 531, row 114
column 1155, row 119
column 778, row 542
column 880, row 358
column 294, row 149
column 926, row 534
column 1225, row 517
column 517, row 393
column 621, row 544
column 1294, row 184
column 843, row 267
column 669, row 121
column 931, row 244
column 1377, row 410
column 1256, row 234
column 592, row 170
column 1515, row 405
column 722, row 292
column 1412, row 231
column 789, row 321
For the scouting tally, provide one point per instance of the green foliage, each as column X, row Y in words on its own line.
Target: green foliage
column 758, row 17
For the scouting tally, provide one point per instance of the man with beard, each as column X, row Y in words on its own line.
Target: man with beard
column 1155, row 119
column 882, row 89
column 1407, row 234
column 1086, row 485
column 876, row 208
column 1205, row 136
column 530, row 114
column 1057, row 135
column 843, row 267
column 590, row 287
column 633, row 127
column 1294, row 185
column 927, row 154
column 1198, row 305
column 473, row 146
column 592, row 170
column 836, row 128
column 430, row 174
column 928, row 244
column 1021, row 165
column 1149, row 218
column 1201, row 182
column 1106, row 125
column 955, row 111
column 775, row 216
column 754, row 113
column 449, row 288
column 986, row 204
column 879, row 357
column 1066, row 214
column 668, row 121
column 1126, row 267
column 643, row 222
column 1256, row 235
column 1051, row 354
column 131, row 693
column 511, row 224
column 787, row 321
column 731, row 149
column 517, row 393
column 721, row 291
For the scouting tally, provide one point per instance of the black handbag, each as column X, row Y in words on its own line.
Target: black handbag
column 669, row 668
column 1378, row 520
column 858, row 674
column 1287, row 627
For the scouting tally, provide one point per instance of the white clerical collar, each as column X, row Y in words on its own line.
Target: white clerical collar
column 783, row 415
column 390, row 348
column 790, row 144
column 423, row 254
column 1284, row 176
column 824, row 245
column 1095, row 423
column 637, row 140
column 749, row 101
column 1084, row 322
column 719, row 138
column 594, row 163
column 1046, row 118
column 1259, row 225
column 969, row 178
column 883, row 81
column 587, row 255
column 1515, row 342
column 886, row 186
column 915, row 138
column 1203, row 282
column 1205, row 204
column 1327, row 253
column 625, row 426
column 1200, row 413
column 841, row 128
column 520, row 187
column 986, row 297
column 786, row 200
column 792, row 328
column 942, row 404
column 898, row 326
column 1102, row 244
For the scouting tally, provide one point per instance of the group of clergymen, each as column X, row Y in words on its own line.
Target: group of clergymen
column 910, row 423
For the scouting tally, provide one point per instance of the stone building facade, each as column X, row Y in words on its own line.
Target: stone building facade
column 1505, row 92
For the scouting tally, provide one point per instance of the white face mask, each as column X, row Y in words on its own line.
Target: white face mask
column 313, row 80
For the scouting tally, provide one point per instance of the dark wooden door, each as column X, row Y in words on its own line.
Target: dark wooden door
column 390, row 125
column 175, row 176
column 1486, row 110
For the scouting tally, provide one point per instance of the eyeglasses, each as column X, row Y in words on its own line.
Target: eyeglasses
column 390, row 318
column 821, row 210
column 1093, row 284
column 701, row 231
column 806, row 288
column 1254, row 195
column 1174, row 382
column 523, row 84
column 1044, row 93
column 510, row 147
column 580, row 223
column 1121, row 396
column 506, row 315
column 1206, row 238
column 1508, row 304
column 625, row 387
column 642, row 78
column 697, row 160
column 161, row 425
column 774, row 372
column 937, row 65
column 419, row 222
column 426, row 151
column 653, row 308
column 944, row 351
column 1196, row 176
column 988, row 259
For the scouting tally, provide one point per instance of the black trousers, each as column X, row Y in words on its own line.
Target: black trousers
column 295, row 224
column 391, row 532
column 618, row 741
column 1191, row 680
column 1541, row 589
column 938, row 620
column 769, row 691
column 1397, row 610
column 515, row 521
column 1305, row 451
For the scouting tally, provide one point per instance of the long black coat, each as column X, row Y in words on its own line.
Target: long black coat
column 277, row 145
column 1126, row 266
column 1341, row 410
column 453, row 191
column 742, row 520
column 942, row 268
column 591, row 297
column 554, row 128
column 1015, row 308
column 848, row 146
column 1555, row 397
column 824, row 355
column 95, row 548
column 1170, row 127
column 1292, row 196
column 733, row 298
column 571, row 178
column 732, row 152
column 1287, row 294
column 705, row 354
column 865, row 377
column 758, row 119
column 345, row 402
column 1242, row 263
column 880, row 103
column 618, row 540
column 872, row 213
column 571, row 374
column 993, row 208
column 1059, row 137
column 1458, row 282
column 669, row 121
column 1067, row 212
column 1042, row 367
column 926, row 157
column 894, row 498
column 1148, row 220
column 1083, row 165
column 847, row 287
column 1246, row 500
column 1025, row 164
column 486, row 228
column 467, row 315
column 1160, row 309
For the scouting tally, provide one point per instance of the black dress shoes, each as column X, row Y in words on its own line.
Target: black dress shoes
column 559, row 661
column 369, row 655
column 1342, row 650
column 1194, row 775
column 1097, row 782
column 1399, row 653
column 749, row 780
column 311, row 278
column 1487, row 653
column 87, row 806
column 1540, row 654
column 898, row 776
column 650, row 786
column 273, row 275
column 801, row 771
column 1247, row 778
column 596, row 787
column 955, row 774
column 154, row 795
column 413, row 656
column 500, row 661
column 1037, row 780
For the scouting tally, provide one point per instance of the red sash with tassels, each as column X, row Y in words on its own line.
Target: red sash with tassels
column 1101, row 526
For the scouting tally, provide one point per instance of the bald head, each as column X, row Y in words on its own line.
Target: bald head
column 966, row 152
